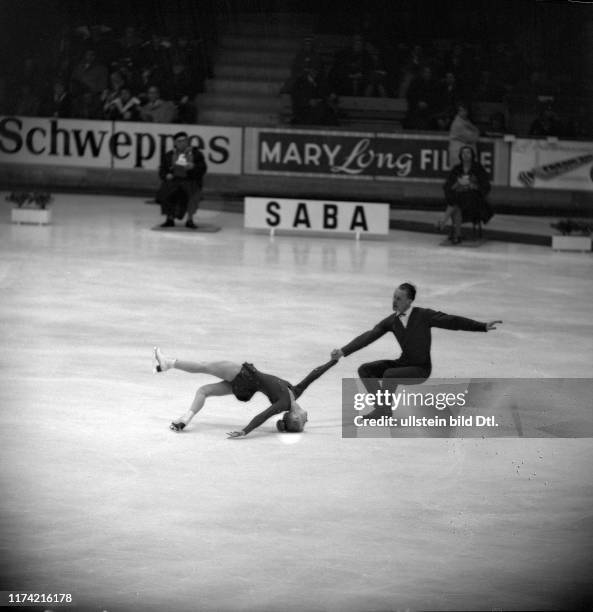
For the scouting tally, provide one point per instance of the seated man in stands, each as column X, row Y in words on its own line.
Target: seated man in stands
column 157, row 110
column 312, row 101
column 351, row 69
column 306, row 58
column 423, row 102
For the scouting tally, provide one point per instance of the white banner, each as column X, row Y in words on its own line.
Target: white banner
column 107, row 144
column 140, row 145
column 552, row 164
column 316, row 215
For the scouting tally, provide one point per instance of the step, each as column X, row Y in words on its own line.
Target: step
column 265, row 73
column 239, row 103
column 243, row 86
column 274, row 16
column 227, row 117
column 266, row 29
column 256, row 43
column 263, row 57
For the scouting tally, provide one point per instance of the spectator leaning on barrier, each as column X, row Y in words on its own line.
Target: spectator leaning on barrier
column 181, row 172
column 462, row 133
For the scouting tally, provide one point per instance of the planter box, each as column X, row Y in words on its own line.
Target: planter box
column 571, row 243
column 39, row 216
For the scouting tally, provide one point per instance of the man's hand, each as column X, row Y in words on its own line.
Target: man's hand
column 337, row 354
column 492, row 325
column 236, row 434
column 169, row 176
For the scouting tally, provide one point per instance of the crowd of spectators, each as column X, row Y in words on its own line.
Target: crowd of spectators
column 434, row 75
column 432, row 60
column 97, row 72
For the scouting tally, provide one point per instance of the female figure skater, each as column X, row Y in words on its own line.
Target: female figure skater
column 244, row 381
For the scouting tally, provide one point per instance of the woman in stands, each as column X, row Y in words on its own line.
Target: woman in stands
column 244, row 381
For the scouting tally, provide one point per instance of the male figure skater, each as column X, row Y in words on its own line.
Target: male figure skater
column 411, row 327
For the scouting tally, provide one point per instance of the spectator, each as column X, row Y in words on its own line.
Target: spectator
column 156, row 54
column 183, row 92
column 181, row 172
column 194, row 56
column 116, row 82
column 546, row 124
column 458, row 63
column 125, row 107
column 157, row 110
column 448, row 97
column 312, row 101
column 423, row 104
column 129, row 46
column 376, row 81
column 462, row 133
column 351, row 69
column 89, row 76
column 306, row 58
column 466, row 189
column 58, row 103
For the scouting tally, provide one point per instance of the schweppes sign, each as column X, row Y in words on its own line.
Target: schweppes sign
column 112, row 144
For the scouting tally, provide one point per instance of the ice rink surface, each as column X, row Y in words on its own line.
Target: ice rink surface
column 100, row 499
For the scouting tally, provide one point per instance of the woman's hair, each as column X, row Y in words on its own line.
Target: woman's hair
column 409, row 289
column 294, row 423
column 472, row 152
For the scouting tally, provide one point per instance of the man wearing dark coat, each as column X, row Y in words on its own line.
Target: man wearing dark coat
column 411, row 327
column 181, row 172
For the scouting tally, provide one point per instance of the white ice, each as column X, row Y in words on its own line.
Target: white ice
column 100, row 499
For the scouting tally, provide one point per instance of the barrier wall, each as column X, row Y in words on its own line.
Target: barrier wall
column 402, row 165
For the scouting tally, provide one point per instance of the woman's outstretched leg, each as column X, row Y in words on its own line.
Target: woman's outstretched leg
column 214, row 389
column 226, row 370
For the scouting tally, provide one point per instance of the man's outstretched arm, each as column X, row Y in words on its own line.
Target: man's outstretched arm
column 364, row 339
column 446, row 321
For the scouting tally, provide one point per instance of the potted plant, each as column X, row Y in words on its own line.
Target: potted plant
column 575, row 235
column 31, row 207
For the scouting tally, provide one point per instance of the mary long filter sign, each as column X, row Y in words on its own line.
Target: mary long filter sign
column 316, row 215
